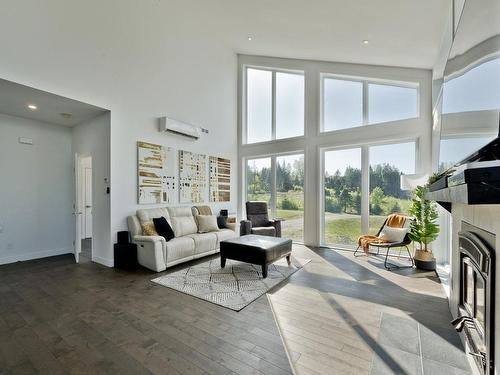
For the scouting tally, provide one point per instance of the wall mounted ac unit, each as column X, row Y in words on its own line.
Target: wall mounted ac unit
column 179, row 127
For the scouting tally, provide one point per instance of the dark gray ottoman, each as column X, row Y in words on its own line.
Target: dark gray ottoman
column 255, row 249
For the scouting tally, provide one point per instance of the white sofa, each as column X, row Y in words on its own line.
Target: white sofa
column 155, row 253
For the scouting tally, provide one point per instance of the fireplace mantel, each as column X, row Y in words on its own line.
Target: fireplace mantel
column 471, row 194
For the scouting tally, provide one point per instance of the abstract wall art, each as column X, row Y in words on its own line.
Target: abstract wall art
column 157, row 182
column 192, row 177
column 220, row 179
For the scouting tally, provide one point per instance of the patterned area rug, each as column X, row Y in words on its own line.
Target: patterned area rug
column 235, row 286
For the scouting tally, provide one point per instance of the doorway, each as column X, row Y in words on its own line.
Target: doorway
column 85, row 204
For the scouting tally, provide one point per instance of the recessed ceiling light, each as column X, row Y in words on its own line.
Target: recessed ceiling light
column 66, row 115
column 32, row 107
column 366, row 41
column 249, row 38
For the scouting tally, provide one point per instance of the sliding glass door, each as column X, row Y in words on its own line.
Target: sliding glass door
column 342, row 197
column 279, row 181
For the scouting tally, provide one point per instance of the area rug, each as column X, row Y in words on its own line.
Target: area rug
column 235, row 286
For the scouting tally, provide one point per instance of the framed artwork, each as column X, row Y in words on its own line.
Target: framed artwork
column 220, row 179
column 192, row 177
column 157, row 182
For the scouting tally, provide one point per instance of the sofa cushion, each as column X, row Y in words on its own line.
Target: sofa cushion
column 148, row 214
column 224, row 234
column 207, row 223
column 201, row 210
column 182, row 221
column 264, row 231
column 148, row 229
column 203, row 242
column 179, row 248
column 163, row 228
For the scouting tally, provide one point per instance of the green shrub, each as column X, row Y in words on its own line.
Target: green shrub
column 332, row 205
column 289, row 204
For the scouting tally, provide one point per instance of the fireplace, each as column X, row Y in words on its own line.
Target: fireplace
column 477, row 295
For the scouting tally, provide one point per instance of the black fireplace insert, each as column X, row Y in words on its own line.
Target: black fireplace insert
column 477, row 294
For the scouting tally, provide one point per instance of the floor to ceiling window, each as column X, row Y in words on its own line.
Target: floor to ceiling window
column 325, row 144
column 342, row 197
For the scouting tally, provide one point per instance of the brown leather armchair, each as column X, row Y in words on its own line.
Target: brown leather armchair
column 258, row 221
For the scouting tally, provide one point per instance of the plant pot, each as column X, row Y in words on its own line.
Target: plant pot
column 424, row 260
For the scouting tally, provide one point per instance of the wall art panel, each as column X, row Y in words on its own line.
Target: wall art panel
column 220, row 179
column 157, row 182
column 192, row 177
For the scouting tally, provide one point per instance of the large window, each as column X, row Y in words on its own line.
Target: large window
column 387, row 164
column 274, row 105
column 286, row 200
column 342, row 194
column 348, row 103
column 344, row 218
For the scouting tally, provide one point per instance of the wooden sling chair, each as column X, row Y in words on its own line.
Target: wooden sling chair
column 388, row 246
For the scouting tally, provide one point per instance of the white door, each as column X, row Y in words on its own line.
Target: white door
column 88, row 203
column 77, row 211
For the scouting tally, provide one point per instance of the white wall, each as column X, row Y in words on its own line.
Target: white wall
column 418, row 129
column 140, row 60
column 36, row 190
column 92, row 138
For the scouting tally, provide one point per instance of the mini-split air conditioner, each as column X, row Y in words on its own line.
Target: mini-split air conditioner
column 178, row 127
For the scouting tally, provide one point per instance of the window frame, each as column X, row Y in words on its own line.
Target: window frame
column 244, row 119
column 365, row 102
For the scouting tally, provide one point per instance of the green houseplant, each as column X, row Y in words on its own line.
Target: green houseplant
column 423, row 228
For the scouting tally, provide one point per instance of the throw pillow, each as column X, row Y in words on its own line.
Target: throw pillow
column 148, row 229
column 207, row 223
column 391, row 234
column 163, row 228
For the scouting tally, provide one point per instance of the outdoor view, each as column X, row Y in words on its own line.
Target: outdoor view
column 289, row 191
column 343, row 189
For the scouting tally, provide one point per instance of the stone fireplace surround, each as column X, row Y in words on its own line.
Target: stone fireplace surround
column 486, row 217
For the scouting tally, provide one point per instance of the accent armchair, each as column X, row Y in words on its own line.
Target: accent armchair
column 258, row 221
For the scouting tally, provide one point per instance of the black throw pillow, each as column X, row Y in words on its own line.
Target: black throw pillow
column 163, row 228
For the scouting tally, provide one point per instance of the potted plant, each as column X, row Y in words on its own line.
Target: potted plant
column 423, row 228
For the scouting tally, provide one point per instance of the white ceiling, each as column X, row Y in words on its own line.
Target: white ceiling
column 15, row 98
column 400, row 32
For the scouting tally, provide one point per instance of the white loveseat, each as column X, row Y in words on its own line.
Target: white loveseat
column 155, row 253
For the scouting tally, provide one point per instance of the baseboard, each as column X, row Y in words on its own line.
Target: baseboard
column 34, row 255
column 104, row 261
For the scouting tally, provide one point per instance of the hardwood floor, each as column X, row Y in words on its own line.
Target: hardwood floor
column 57, row 317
